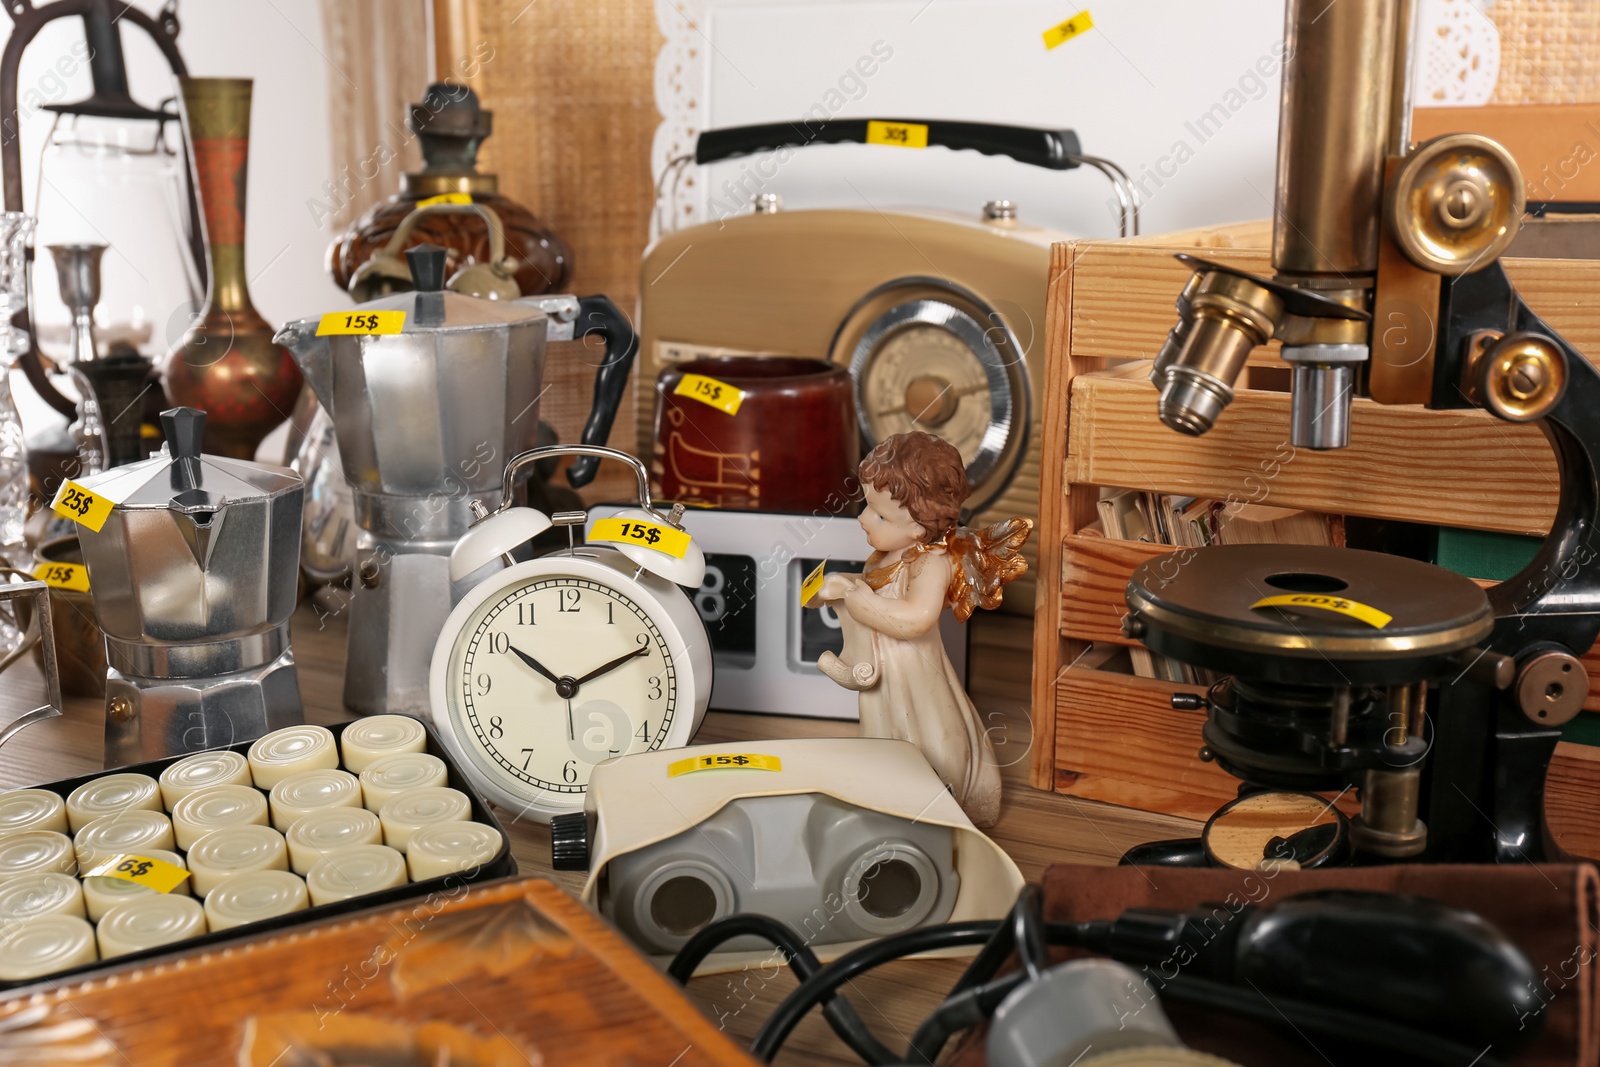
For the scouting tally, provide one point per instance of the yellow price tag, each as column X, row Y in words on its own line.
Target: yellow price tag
column 159, row 875
column 897, row 134
column 641, row 533
column 1063, row 32
column 349, row 323
column 812, row 584
column 720, row 395
column 1352, row 608
column 725, row 761
column 445, row 198
column 82, row 506
column 73, row 576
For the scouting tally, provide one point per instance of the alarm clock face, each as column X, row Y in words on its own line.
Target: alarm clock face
column 550, row 667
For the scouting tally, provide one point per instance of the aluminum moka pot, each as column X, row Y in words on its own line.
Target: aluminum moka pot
column 194, row 576
column 426, row 419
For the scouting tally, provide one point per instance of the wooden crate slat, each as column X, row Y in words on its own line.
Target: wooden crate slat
column 1096, row 570
column 1455, row 468
column 1118, row 740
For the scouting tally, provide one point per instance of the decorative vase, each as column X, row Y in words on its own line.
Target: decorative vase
column 226, row 364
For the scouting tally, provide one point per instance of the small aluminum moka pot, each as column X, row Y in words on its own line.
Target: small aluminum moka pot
column 193, row 575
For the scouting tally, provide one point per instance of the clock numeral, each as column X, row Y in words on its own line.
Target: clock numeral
column 569, row 600
column 500, row 642
column 497, row 727
column 654, row 683
column 525, row 614
column 610, row 609
column 527, row 757
column 642, row 640
column 643, row 733
column 569, row 773
column 484, row 681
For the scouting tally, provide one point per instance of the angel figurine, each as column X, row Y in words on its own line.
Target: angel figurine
column 923, row 561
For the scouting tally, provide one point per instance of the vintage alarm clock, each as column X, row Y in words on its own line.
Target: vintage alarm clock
column 548, row 667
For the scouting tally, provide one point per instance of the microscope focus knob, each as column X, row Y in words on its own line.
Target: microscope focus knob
column 1552, row 687
column 569, row 841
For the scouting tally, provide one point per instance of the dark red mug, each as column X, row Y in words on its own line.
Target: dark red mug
column 792, row 445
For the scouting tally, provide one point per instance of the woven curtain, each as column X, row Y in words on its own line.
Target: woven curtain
column 1549, row 51
column 380, row 57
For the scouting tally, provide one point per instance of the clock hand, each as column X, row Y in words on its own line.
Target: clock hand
column 614, row 664
column 535, row 664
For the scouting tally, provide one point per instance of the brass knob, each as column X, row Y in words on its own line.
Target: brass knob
column 1456, row 203
column 1551, row 688
column 371, row 573
column 1521, row 377
column 120, row 709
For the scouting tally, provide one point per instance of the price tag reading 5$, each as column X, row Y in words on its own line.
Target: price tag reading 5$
column 813, row 583
column 1352, row 608
column 82, row 506
column 73, row 576
column 1062, row 32
column 159, row 875
column 641, row 533
column 725, row 761
column 720, row 395
column 360, row 323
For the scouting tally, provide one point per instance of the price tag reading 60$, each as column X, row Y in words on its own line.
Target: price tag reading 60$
column 720, row 395
column 641, row 533
column 82, row 506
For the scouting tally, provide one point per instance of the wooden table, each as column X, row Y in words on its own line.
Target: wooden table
column 1036, row 828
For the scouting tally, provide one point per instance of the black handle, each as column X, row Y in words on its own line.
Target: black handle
column 1053, row 149
column 597, row 314
column 185, row 430
column 427, row 267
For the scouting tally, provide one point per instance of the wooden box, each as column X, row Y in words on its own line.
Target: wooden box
column 1114, row 737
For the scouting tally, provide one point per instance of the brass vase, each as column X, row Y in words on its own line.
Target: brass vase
column 226, row 364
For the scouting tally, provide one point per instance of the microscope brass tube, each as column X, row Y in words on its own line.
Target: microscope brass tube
column 1388, row 823
column 1405, row 28
column 1399, row 731
column 1232, row 315
column 1333, row 130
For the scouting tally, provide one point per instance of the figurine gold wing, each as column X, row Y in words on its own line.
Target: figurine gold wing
column 984, row 561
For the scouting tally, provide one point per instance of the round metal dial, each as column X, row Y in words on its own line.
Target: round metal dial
column 548, row 668
column 927, row 365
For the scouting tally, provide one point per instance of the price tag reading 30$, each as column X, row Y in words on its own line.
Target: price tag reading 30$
column 82, row 506
column 360, row 323
column 720, row 395
column 641, row 533
column 148, row 871
column 725, row 761
column 897, row 134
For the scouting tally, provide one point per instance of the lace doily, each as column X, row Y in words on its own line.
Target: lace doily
column 682, row 80
column 1458, row 54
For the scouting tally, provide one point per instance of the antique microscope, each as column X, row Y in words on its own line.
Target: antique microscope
column 1440, row 702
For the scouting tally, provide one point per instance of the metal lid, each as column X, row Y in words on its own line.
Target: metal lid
column 431, row 307
column 182, row 479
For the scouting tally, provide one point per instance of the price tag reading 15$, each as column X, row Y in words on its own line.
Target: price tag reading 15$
column 725, row 761
column 720, row 395
column 360, row 323
column 72, row 576
column 641, row 533
column 148, row 871
column 82, row 506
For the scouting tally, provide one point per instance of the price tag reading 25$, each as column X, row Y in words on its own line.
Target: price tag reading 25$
column 720, row 395
column 360, row 323
column 641, row 533
column 82, row 506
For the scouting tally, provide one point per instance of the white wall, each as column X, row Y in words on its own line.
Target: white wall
column 279, row 44
column 1132, row 87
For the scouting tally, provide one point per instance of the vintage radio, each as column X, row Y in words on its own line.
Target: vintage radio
column 939, row 316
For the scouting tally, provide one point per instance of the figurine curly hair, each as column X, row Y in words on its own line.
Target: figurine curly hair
column 925, row 474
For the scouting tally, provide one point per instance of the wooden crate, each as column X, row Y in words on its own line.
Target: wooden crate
column 1114, row 737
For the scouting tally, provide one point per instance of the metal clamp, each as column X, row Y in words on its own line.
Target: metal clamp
column 40, row 631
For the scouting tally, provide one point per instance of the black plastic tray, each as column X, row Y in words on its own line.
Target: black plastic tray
column 503, row 865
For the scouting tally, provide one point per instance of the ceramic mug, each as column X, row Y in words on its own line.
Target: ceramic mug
column 791, row 445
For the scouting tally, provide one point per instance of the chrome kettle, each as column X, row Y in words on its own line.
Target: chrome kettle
column 194, row 575
column 425, row 420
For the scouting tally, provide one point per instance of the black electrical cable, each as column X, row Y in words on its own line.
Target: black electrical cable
column 795, row 1006
column 1323, row 1020
column 958, row 1012
column 839, row 1012
column 1027, row 924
